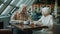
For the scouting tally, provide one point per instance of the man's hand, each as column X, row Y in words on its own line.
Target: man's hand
column 14, row 21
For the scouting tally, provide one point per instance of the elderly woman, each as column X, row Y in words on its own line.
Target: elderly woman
column 45, row 20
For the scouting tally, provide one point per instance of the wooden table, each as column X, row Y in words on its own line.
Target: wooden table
column 26, row 28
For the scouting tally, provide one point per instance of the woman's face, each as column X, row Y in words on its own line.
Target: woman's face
column 45, row 12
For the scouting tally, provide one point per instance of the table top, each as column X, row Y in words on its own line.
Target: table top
column 25, row 27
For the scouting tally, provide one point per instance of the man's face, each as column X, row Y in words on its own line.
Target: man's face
column 24, row 9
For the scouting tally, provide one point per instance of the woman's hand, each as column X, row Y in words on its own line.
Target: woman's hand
column 38, row 23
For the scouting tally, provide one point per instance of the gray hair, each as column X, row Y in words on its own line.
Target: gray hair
column 22, row 5
column 46, row 10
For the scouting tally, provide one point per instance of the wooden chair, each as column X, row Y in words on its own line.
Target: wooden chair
column 5, row 31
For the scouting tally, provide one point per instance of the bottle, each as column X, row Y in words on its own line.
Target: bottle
column 32, row 24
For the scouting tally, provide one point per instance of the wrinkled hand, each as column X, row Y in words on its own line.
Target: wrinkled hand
column 39, row 24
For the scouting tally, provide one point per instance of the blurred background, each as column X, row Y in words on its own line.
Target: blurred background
column 8, row 7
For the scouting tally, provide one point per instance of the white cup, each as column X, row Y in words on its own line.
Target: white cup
column 25, row 22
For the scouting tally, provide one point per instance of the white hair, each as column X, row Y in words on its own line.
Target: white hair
column 21, row 7
column 46, row 10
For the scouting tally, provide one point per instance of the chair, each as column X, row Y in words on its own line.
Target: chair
column 43, row 32
column 5, row 31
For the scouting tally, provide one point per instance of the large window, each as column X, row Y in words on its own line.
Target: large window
column 4, row 5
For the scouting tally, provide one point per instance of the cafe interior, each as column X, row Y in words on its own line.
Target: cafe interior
column 33, row 10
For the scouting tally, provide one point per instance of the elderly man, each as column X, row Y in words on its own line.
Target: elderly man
column 20, row 16
column 45, row 20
